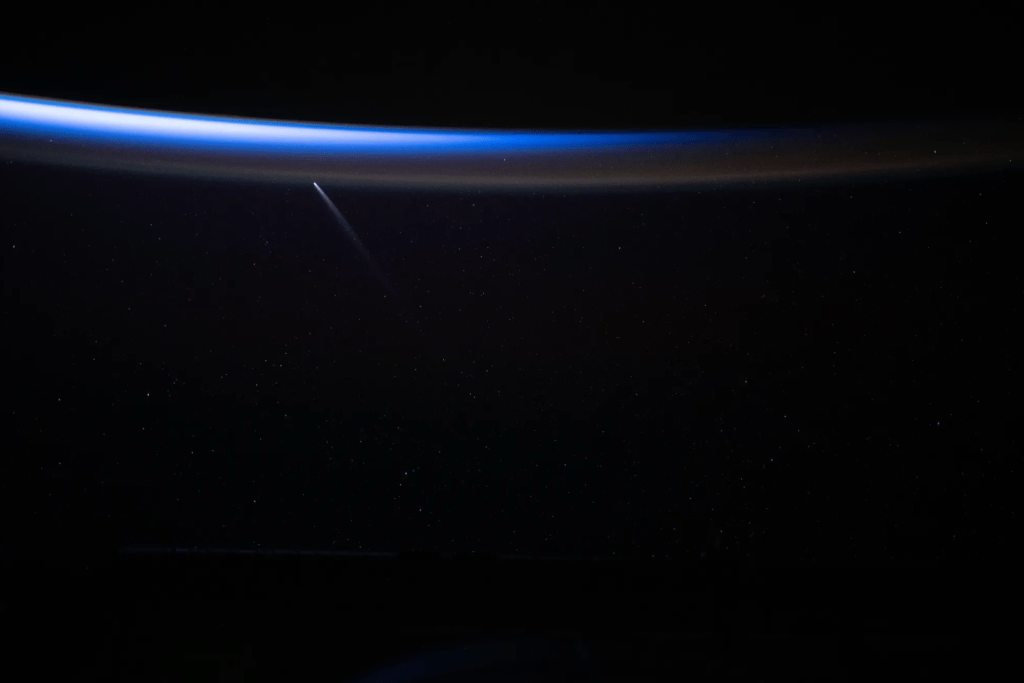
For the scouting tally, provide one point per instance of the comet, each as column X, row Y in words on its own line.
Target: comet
column 350, row 233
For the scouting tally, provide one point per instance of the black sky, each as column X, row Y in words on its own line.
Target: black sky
column 551, row 65
column 797, row 373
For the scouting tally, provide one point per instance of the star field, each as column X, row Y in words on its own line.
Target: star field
column 805, row 372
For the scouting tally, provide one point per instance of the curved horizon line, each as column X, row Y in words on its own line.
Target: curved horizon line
column 150, row 141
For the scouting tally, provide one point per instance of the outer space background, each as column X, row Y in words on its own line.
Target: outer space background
column 786, row 374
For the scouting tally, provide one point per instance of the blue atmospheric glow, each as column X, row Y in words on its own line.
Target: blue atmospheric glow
column 73, row 122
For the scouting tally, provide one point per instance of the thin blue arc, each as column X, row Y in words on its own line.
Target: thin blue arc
column 39, row 118
column 152, row 142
